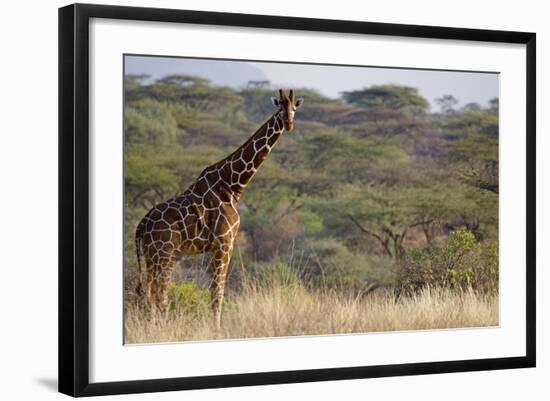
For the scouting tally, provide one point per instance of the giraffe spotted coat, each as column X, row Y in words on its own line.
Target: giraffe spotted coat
column 205, row 217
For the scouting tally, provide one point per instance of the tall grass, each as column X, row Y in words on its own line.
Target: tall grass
column 281, row 306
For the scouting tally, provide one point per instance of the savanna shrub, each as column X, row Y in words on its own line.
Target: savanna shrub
column 461, row 262
column 486, row 277
column 331, row 264
column 189, row 298
column 276, row 273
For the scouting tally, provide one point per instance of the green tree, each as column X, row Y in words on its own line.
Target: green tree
column 362, row 183
column 390, row 96
column 447, row 103
column 149, row 121
column 183, row 80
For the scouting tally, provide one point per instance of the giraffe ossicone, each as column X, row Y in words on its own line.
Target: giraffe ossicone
column 205, row 218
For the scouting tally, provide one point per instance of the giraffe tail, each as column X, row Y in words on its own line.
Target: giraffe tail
column 138, row 255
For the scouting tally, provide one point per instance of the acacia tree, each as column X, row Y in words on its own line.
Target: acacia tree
column 183, row 80
column 381, row 213
column 390, row 96
column 149, row 121
column 385, row 110
column 480, row 174
column 476, row 154
column 371, row 175
column 387, row 214
column 447, row 104
column 134, row 81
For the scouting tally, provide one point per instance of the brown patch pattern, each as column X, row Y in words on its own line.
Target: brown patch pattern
column 205, row 217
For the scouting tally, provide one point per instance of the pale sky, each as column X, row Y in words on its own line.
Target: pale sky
column 330, row 80
column 467, row 87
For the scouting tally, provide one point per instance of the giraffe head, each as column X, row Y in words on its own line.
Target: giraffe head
column 287, row 107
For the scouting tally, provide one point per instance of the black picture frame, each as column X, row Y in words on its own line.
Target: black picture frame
column 74, row 198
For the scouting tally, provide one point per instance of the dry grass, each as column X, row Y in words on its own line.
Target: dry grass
column 293, row 310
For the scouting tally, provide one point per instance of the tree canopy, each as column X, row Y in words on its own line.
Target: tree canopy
column 361, row 183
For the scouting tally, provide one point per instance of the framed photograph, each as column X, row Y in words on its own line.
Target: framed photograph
column 251, row 199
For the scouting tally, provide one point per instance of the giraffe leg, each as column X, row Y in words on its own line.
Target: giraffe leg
column 220, row 268
column 149, row 285
column 156, row 286
column 163, row 281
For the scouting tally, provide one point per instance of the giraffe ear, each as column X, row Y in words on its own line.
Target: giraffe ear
column 299, row 102
column 275, row 101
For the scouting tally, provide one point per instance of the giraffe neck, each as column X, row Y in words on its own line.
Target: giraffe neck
column 240, row 166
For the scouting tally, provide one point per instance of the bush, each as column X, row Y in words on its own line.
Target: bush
column 333, row 265
column 277, row 273
column 461, row 262
column 150, row 121
column 189, row 298
column 486, row 278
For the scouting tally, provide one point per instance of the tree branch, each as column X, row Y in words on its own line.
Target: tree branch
column 419, row 223
column 382, row 241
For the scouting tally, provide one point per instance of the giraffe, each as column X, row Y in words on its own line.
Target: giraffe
column 205, row 217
